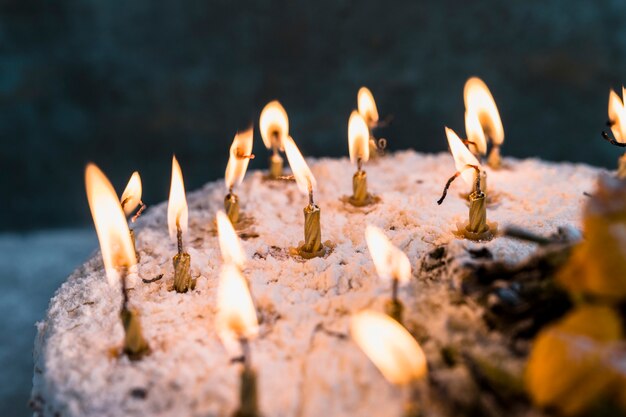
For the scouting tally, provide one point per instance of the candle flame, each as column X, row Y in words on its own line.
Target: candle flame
column 475, row 133
column 236, row 316
column 480, row 102
column 131, row 197
column 358, row 138
column 389, row 346
column 462, row 157
column 302, row 173
column 367, row 106
column 617, row 115
column 240, row 153
column 177, row 211
column 230, row 246
column 111, row 226
column 274, row 125
column 390, row 262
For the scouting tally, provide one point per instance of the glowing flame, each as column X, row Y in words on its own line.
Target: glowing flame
column 462, row 157
column 390, row 262
column 480, row 102
column 358, row 138
column 367, row 106
column 230, row 246
column 111, row 226
column 475, row 133
column 240, row 152
column 177, row 206
column 236, row 315
column 131, row 197
column 274, row 125
column 302, row 173
column 617, row 115
column 389, row 346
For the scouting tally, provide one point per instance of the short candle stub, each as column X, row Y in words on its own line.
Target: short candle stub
column 135, row 346
column 494, row 160
column 248, row 394
column 360, row 197
column 312, row 230
column 182, row 272
column 231, row 207
column 276, row 165
column 248, row 398
column 394, row 307
column 477, row 227
column 132, row 238
column 276, row 161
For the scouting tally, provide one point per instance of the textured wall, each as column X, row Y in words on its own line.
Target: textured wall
column 126, row 83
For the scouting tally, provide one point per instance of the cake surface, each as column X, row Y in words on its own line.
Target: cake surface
column 307, row 363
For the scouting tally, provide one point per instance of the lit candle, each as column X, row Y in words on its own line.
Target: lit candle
column 393, row 350
column 177, row 221
column 237, row 324
column 230, row 246
column 240, row 155
column 617, row 123
column 391, row 265
column 312, row 246
column 367, row 108
column 482, row 120
column 358, row 146
column 118, row 254
column 274, row 126
column 469, row 169
column 131, row 198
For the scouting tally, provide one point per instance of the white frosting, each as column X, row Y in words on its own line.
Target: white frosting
column 306, row 366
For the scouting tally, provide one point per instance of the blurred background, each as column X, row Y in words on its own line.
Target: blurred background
column 126, row 84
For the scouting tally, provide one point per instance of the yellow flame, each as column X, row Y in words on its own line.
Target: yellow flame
column 475, row 133
column 230, row 246
column 177, row 211
column 390, row 262
column 111, row 226
column 389, row 346
column 479, row 101
column 358, row 138
column 617, row 115
column 274, row 125
column 462, row 157
column 367, row 106
column 240, row 152
column 131, row 197
column 302, row 173
column 236, row 315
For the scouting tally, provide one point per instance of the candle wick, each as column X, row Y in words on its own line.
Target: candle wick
column 447, row 186
column 245, row 352
column 311, row 202
column 359, row 164
column 394, row 289
column 179, row 237
column 142, row 207
column 612, row 141
column 123, row 271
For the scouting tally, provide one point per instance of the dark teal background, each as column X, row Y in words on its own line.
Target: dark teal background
column 127, row 83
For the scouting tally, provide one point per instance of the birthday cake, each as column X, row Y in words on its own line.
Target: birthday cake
column 306, row 361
